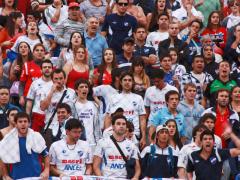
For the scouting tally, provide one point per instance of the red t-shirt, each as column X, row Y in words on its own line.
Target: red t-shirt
column 219, row 34
column 30, row 72
column 220, row 125
column 106, row 78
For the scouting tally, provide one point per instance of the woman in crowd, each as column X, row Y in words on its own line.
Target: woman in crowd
column 174, row 139
column 178, row 69
column 235, row 99
column 102, row 74
column 78, row 68
column 215, row 30
column 141, row 79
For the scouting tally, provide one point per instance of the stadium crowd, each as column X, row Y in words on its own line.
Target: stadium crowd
column 128, row 89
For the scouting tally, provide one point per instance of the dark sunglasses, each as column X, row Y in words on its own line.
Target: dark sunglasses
column 232, row 3
column 123, row 4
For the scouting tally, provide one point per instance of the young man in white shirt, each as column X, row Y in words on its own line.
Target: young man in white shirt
column 71, row 156
column 106, row 152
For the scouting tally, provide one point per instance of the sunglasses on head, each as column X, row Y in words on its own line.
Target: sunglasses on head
column 123, row 4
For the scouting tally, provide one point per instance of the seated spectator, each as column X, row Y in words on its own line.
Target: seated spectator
column 78, row 68
column 217, row 33
column 102, row 74
column 141, row 79
column 235, row 99
column 160, row 159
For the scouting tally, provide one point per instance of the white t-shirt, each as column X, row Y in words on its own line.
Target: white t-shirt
column 35, row 93
column 49, row 13
column 155, row 98
column 70, row 99
column 132, row 105
column 71, row 159
column 88, row 114
column 22, row 38
column 154, row 38
column 112, row 161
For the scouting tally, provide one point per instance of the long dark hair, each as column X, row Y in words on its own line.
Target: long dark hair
column 70, row 43
column 209, row 24
column 19, row 60
column 155, row 15
column 39, row 37
column 10, row 26
column 14, row 4
column 176, row 137
column 102, row 66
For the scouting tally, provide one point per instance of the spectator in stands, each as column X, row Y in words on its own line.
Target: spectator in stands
column 160, row 159
column 173, row 41
column 188, row 149
column 77, row 157
column 133, row 107
column 174, row 138
column 141, row 79
column 143, row 49
column 154, row 99
column 198, row 77
column 124, row 27
column 78, row 68
column 74, row 22
column 235, row 99
column 34, row 96
column 217, row 33
column 56, row 13
column 169, row 112
column 107, row 153
column 102, row 74
column 153, row 17
column 22, row 153
column 223, row 81
column 95, row 43
column 190, row 108
column 155, row 37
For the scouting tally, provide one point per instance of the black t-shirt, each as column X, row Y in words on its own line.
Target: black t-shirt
column 209, row 169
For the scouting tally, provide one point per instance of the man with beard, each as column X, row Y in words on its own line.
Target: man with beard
column 106, row 151
column 34, row 96
column 208, row 162
column 71, row 156
column 223, row 81
column 169, row 112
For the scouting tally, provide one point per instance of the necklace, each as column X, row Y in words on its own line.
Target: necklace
column 68, row 146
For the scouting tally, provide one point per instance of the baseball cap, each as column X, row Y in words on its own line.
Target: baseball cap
column 73, row 4
column 128, row 39
column 161, row 127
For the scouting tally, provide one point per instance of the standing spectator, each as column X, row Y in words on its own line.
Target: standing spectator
column 155, row 37
column 141, row 79
column 34, row 96
column 71, row 156
column 123, row 28
column 217, row 33
column 21, row 148
column 188, row 149
column 223, row 81
column 132, row 105
column 173, row 41
column 78, row 68
column 154, row 99
column 190, row 108
column 207, row 169
column 102, row 74
column 56, row 13
column 107, row 153
column 5, row 105
column 86, row 112
column 95, row 43
column 143, row 49
column 169, row 112
column 160, row 159
column 74, row 22
column 198, row 77
column 235, row 99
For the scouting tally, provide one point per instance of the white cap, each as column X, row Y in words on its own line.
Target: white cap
column 160, row 127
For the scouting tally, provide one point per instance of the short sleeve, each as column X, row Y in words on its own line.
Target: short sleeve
column 190, row 166
column 182, row 159
column 53, row 155
column 153, row 119
column 141, row 108
column 146, row 99
column 97, row 91
column 135, row 152
column 31, row 92
column 99, row 151
column 89, row 156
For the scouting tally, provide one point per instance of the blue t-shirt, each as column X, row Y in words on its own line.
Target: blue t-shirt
column 118, row 28
column 30, row 165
